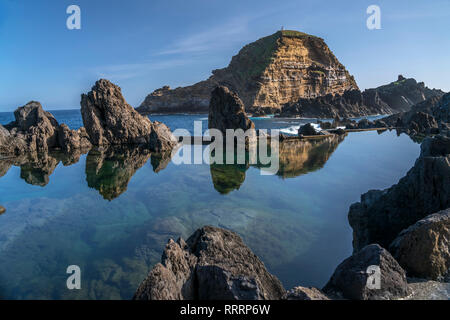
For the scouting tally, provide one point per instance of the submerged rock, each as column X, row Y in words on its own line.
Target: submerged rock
column 2, row 210
column 302, row 293
column 110, row 120
column 213, row 264
column 423, row 248
column 381, row 215
column 351, row 278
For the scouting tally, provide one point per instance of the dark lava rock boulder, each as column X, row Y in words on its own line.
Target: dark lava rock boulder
column 308, row 130
column 422, row 122
column 161, row 138
column 302, row 293
column 213, row 264
column 110, row 120
column 226, row 111
column 34, row 130
column 381, row 215
column 70, row 140
column 423, row 248
column 352, row 279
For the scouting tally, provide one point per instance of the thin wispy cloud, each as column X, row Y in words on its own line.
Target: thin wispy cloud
column 213, row 39
column 133, row 70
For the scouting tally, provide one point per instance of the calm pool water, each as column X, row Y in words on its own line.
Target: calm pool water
column 112, row 213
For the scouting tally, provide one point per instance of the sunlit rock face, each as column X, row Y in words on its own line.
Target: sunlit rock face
column 267, row 73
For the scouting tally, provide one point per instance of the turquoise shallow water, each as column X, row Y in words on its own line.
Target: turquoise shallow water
column 112, row 213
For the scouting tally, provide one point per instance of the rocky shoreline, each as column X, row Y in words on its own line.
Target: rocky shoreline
column 403, row 230
column 108, row 121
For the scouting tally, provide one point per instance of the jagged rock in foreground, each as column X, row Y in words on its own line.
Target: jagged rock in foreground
column 110, row 120
column 37, row 131
column 423, row 248
column 266, row 74
column 392, row 98
column 350, row 279
column 213, row 264
column 302, row 293
column 381, row 215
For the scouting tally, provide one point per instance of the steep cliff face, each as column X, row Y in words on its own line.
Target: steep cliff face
column 266, row 74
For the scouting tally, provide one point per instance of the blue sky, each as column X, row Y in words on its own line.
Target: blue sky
column 142, row 45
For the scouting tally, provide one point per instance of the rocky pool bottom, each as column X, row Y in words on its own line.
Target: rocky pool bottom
column 111, row 213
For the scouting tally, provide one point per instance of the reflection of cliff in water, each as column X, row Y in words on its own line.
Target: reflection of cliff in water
column 296, row 157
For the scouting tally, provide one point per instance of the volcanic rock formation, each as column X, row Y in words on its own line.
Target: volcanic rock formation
column 226, row 111
column 423, row 248
column 35, row 131
column 351, row 277
column 110, row 120
column 213, row 264
column 266, row 74
column 395, row 97
column 383, row 214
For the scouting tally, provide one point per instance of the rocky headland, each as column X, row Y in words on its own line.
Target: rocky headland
column 274, row 70
column 398, row 96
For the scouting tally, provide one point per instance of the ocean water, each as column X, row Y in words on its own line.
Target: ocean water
column 112, row 213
